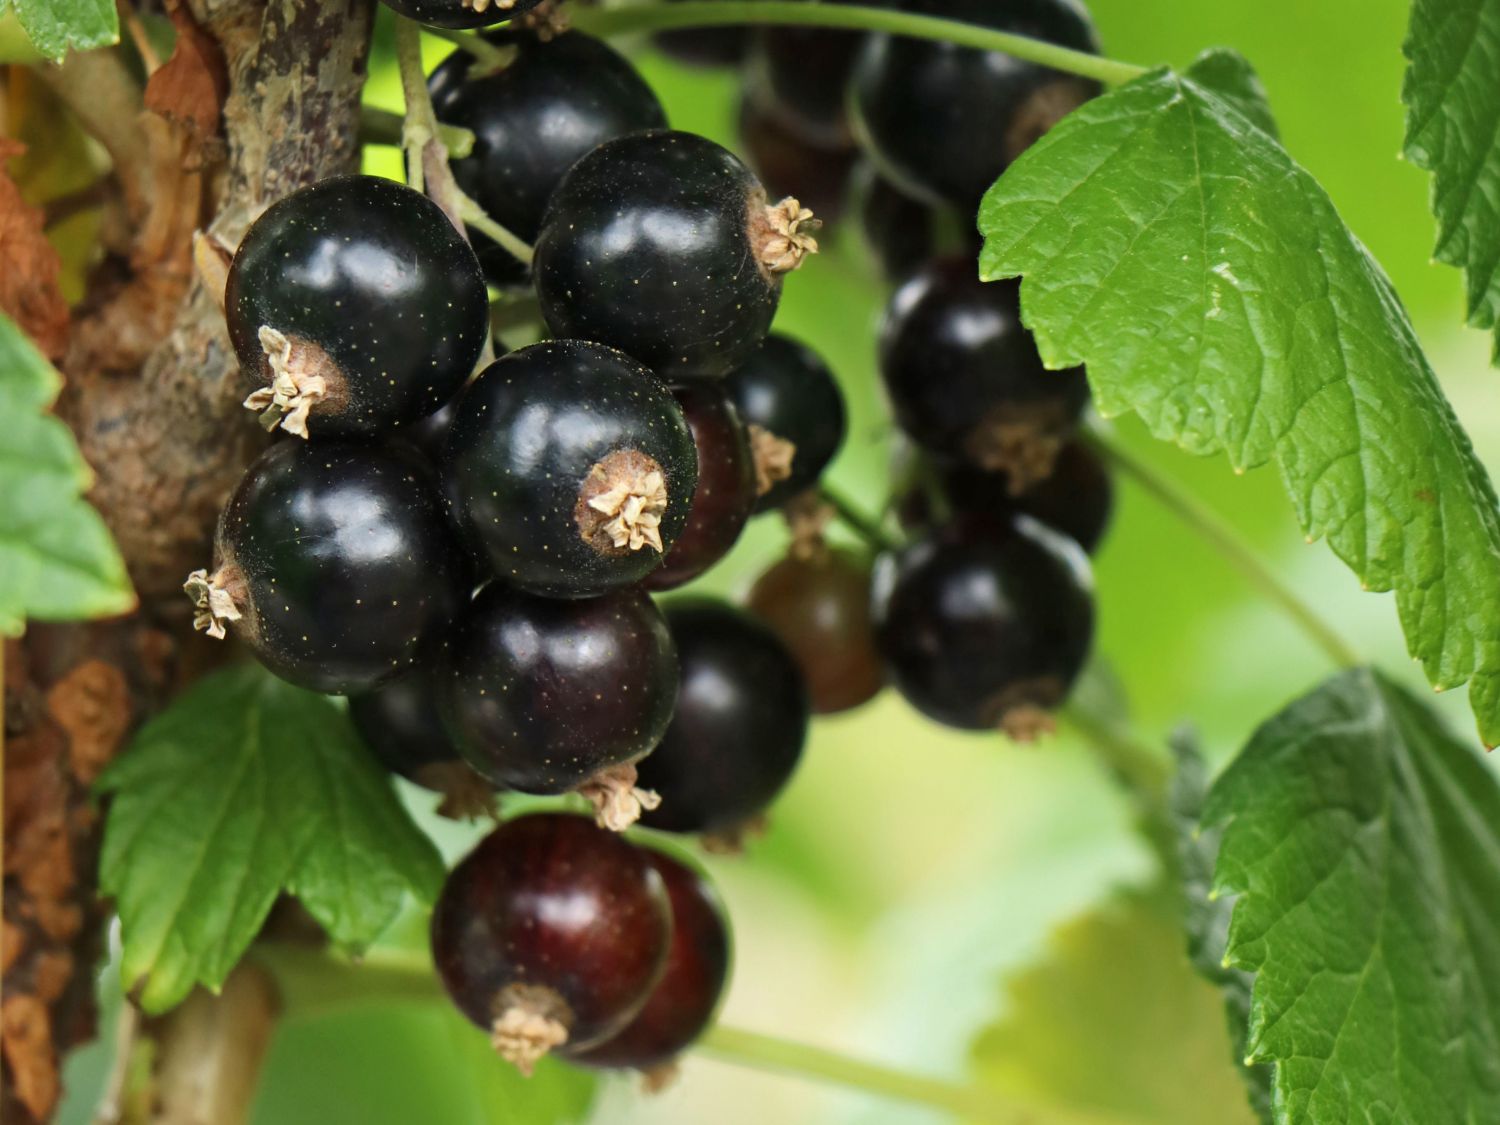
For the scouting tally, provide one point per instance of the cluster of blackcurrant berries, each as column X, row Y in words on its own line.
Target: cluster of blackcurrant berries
column 470, row 558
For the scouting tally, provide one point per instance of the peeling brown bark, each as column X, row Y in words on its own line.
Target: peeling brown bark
column 154, row 397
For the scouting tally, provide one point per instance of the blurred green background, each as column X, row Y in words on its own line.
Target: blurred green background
column 910, row 870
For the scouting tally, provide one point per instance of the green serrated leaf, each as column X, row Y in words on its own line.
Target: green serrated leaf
column 1206, row 916
column 1453, row 103
column 1363, row 841
column 57, row 560
column 244, row 788
column 1113, row 1026
column 1209, row 285
column 54, row 26
column 1230, row 75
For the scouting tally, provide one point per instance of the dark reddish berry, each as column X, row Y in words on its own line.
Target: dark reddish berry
column 818, row 603
column 683, row 1002
column 664, row 245
column 532, row 121
column 725, row 496
column 790, row 402
column 985, row 629
column 573, row 466
column 788, row 165
column 921, row 106
column 547, row 696
column 401, row 725
column 740, row 725
column 462, row 13
column 964, row 377
column 334, row 562
column 354, row 306
column 551, row 935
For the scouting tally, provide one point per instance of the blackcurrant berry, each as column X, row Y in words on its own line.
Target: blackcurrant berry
column 901, row 232
column 705, row 46
column 818, row 603
column 354, row 306
column 788, row 399
column 551, row 934
column 664, row 245
column 531, row 121
column 741, row 721
column 725, row 496
column 461, row 13
column 573, row 466
column 683, row 1002
column 802, row 74
column 401, row 725
column 964, row 377
column 547, row 696
column 333, row 562
column 985, row 629
column 788, row 165
column 1076, row 498
column 919, row 105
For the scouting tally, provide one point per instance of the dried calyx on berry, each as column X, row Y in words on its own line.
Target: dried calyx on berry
column 573, row 467
column 463, row 13
column 321, row 607
column 354, row 307
column 664, row 245
column 965, row 379
column 548, row 696
column 787, row 396
column 551, row 935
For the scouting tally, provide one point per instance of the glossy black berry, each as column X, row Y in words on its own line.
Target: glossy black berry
column 461, row 13
column 334, row 561
column 901, row 232
column 664, row 245
column 548, row 696
column 573, row 466
column 555, row 102
column 964, row 377
column 551, row 935
column 683, row 1002
column 400, row 723
column 354, row 306
column 803, row 75
column 788, row 399
column 944, row 121
column 985, row 628
column 726, row 493
column 705, row 46
column 741, row 721
column 788, row 165
column 1076, row 498
column 818, row 602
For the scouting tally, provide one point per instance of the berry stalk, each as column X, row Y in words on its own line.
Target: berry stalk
column 426, row 156
column 605, row 22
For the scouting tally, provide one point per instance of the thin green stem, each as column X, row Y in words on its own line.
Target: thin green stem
column 765, row 1052
column 314, row 983
column 426, row 157
column 382, row 127
column 488, row 57
column 867, row 527
column 604, row 22
column 1227, row 542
